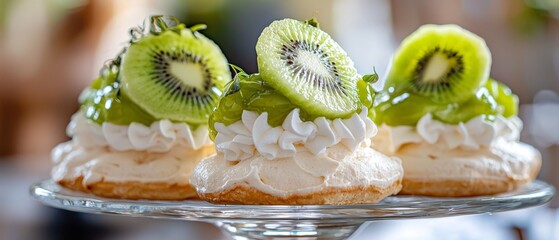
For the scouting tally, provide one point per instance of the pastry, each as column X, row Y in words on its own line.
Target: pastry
column 142, row 124
column 455, row 129
column 298, row 131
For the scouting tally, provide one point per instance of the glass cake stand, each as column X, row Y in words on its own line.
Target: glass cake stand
column 278, row 221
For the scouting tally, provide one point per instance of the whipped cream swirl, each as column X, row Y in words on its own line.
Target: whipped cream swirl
column 160, row 136
column 473, row 134
column 240, row 140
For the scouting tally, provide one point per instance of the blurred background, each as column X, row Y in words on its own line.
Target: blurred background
column 51, row 49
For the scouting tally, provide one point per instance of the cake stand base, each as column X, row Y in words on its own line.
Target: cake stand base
column 300, row 222
column 290, row 229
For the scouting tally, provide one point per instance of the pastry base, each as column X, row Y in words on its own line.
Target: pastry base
column 460, row 188
column 133, row 190
column 242, row 194
column 500, row 182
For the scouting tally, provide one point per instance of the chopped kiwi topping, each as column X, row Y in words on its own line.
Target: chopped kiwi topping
column 102, row 102
column 252, row 93
column 167, row 72
column 406, row 108
column 506, row 100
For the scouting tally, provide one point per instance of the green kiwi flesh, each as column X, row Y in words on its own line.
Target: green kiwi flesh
column 443, row 62
column 176, row 75
column 308, row 67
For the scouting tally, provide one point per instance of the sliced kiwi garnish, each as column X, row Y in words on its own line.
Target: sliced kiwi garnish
column 443, row 62
column 308, row 67
column 174, row 73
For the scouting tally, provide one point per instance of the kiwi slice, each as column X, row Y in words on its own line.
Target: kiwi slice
column 174, row 73
column 308, row 67
column 444, row 62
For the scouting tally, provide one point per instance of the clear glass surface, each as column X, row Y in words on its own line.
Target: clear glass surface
column 323, row 221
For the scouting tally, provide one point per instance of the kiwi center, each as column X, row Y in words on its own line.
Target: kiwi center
column 182, row 73
column 309, row 63
column 313, row 62
column 189, row 74
column 436, row 69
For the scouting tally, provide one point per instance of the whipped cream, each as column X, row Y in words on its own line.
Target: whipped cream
column 252, row 134
column 163, row 152
column 477, row 149
column 303, row 173
column 161, row 136
column 97, row 164
column 474, row 134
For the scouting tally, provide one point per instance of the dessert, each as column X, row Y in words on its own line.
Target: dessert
column 455, row 129
column 142, row 124
column 297, row 132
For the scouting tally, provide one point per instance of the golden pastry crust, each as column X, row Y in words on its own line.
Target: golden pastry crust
column 133, row 190
column 460, row 188
column 241, row 194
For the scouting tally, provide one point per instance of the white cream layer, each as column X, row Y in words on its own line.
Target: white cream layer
column 164, row 152
column 161, row 136
column 304, row 173
column 103, row 164
column 253, row 136
column 474, row 134
column 504, row 160
column 477, row 149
